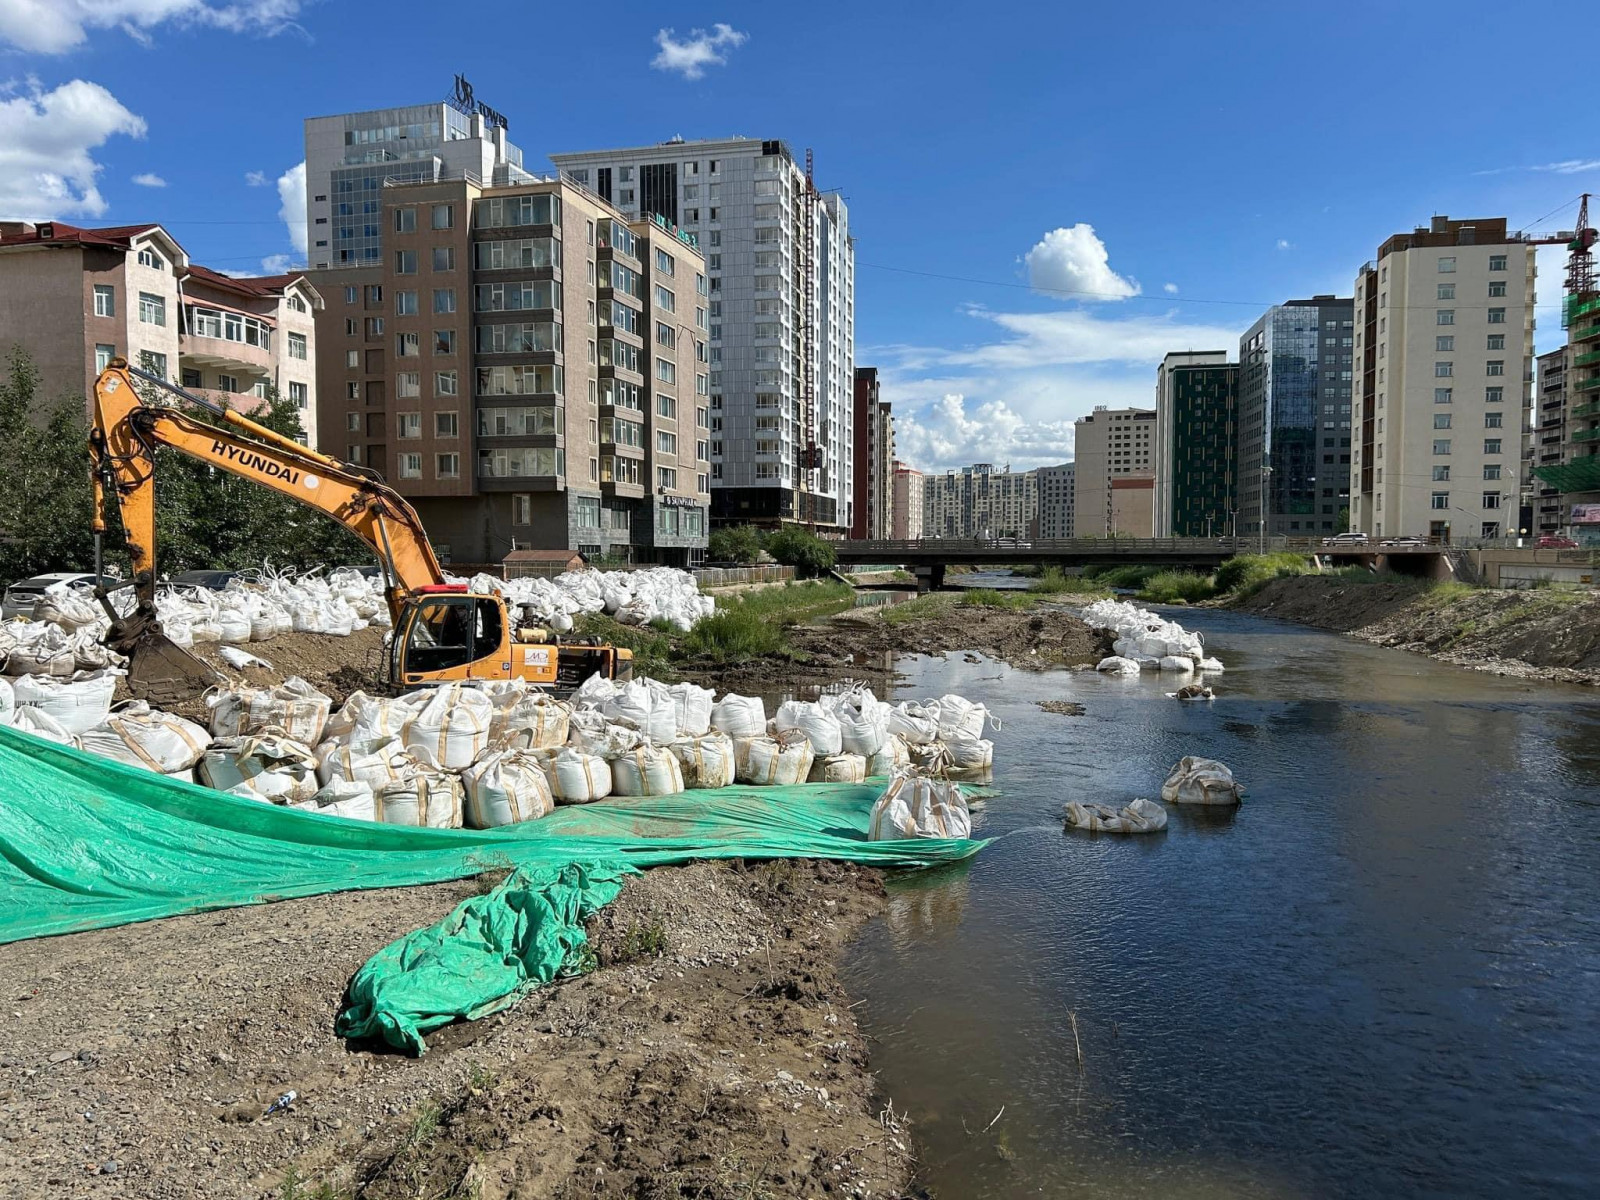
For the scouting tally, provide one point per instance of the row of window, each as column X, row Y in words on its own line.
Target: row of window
column 1442, row 500
column 1445, row 368
column 1445, row 343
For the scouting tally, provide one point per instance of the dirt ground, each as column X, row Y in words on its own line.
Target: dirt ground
column 712, row 1054
column 1545, row 634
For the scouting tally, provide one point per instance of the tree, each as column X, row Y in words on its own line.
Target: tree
column 739, row 543
column 45, row 499
column 808, row 554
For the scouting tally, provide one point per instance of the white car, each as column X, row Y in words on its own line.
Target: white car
column 25, row 593
column 1346, row 539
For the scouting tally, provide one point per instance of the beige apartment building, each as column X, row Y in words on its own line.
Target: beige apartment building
column 75, row 298
column 1444, row 343
column 980, row 502
column 1056, row 500
column 528, row 369
column 874, row 515
column 1114, row 473
column 908, row 502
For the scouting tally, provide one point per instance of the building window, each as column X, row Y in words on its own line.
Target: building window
column 299, row 395
column 105, row 300
column 405, row 262
column 1444, row 344
column 1440, row 446
column 411, row 466
column 666, row 443
column 1441, row 474
column 666, row 477
column 351, row 293
column 374, row 293
column 228, row 383
column 1444, row 316
column 149, row 258
column 1494, row 395
column 407, row 345
column 153, row 362
column 1439, row 500
column 152, row 309
column 444, row 383
column 352, row 390
column 521, row 508
column 1494, row 420
column 1491, row 445
column 1447, row 265
column 665, row 300
column 444, row 341
column 444, row 216
column 1443, row 370
column 103, row 355
column 445, row 425
column 666, row 406
column 1497, row 316
column 297, row 346
column 352, row 422
column 405, row 220
column 444, row 258
column 1491, row 470
column 1491, row 500
column 408, row 385
column 1441, row 420
column 447, row 466
column 1496, row 341
column 444, row 300
column 1497, row 262
column 1443, row 395
column 1495, row 366
column 352, row 360
column 1447, row 291
column 408, row 424
column 666, row 370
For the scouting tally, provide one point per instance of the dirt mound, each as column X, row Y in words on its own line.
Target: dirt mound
column 1330, row 603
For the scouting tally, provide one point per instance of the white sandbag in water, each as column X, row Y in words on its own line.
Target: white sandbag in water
column 342, row 798
column 1117, row 665
column 863, row 721
column 263, row 767
column 960, row 717
column 644, row 706
column 428, row 798
column 77, row 704
column 293, row 707
column 1139, row 816
column 693, row 705
column 1211, row 665
column 142, row 737
column 890, row 758
column 969, row 753
column 647, row 770
column 914, row 724
column 1173, row 662
column 377, row 763
column 770, row 761
column 594, row 733
column 1201, row 781
column 41, row 650
column 505, row 787
column 36, row 721
column 813, row 722
column 451, row 728
column 915, row 806
column 838, row 768
column 578, row 778
column 526, row 717
column 706, row 762
column 364, row 718
column 739, row 716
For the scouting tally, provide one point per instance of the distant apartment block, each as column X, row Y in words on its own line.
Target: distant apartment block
column 1575, row 479
column 874, row 459
column 75, row 298
column 1056, row 500
column 782, row 334
column 908, row 502
column 1444, row 342
column 1196, row 486
column 1114, row 473
column 1546, row 441
column 980, row 502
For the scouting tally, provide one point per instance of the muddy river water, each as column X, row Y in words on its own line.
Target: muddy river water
column 1379, row 977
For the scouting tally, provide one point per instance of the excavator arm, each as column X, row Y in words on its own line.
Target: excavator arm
column 123, row 440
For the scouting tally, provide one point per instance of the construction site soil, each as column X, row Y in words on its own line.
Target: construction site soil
column 1544, row 634
column 712, row 1053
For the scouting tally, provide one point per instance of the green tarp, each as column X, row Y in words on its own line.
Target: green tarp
column 87, row 843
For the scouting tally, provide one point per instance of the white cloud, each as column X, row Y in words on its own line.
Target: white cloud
column 292, row 205
column 46, row 168
column 57, row 26
column 279, row 264
column 700, row 50
column 1076, row 261
column 942, row 434
column 1170, row 289
column 150, row 179
column 1283, row 244
column 1567, row 166
column 256, row 178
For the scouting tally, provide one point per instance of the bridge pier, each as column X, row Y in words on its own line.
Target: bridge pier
column 930, row 578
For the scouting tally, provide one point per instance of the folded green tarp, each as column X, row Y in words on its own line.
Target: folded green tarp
column 86, row 842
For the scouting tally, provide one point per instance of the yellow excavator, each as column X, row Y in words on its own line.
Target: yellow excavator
column 442, row 631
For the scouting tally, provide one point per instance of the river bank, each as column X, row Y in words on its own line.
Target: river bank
column 1543, row 634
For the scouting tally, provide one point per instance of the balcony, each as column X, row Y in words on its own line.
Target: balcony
column 1586, row 435
column 230, row 357
column 1584, row 333
column 1587, row 360
column 1587, row 385
column 1592, row 409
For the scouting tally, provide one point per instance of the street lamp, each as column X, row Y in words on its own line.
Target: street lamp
column 1261, row 530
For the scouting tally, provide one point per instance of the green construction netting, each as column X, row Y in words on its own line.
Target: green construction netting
column 1579, row 475
column 87, row 843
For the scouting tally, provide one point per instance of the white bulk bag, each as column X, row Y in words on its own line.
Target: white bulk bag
column 505, row 787
column 1140, row 816
column 863, row 721
column 36, row 721
column 451, row 728
column 8, row 701
column 1211, row 665
column 89, row 653
column 78, row 704
column 205, row 631
column 68, row 608
column 364, row 718
column 739, row 716
column 428, row 798
column 648, row 770
column 594, row 691
column 266, row 767
column 914, row 724
column 593, row 733
column 342, row 798
column 525, row 717
column 648, row 709
column 915, row 806
column 294, row 707
column 819, row 726
column 960, row 717
column 577, row 778
column 706, row 762
column 233, row 626
column 770, row 761
column 46, row 652
column 693, row 705
column 838, row 768
column 1201, row 781
column 158, row 741
column 968, row 753
column 1117, row 665
column 891, row 757
column 377, row 763
column 1173, row 662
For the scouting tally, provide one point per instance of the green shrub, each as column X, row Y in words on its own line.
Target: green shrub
column 801, row 549
column 652, row 649
column 739, row 543
column 1054, row 581
column 1122, row 577
column 1246, row 572
column 1177, row 587
column 794, row 602
column 733, row 634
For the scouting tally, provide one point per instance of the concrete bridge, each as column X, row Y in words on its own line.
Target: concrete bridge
column 928, row 557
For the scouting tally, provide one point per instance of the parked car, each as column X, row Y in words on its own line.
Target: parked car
column 1552, row 541
column 25, row 593
column 1346, row 539
column 215, row 581
column 1406, row 542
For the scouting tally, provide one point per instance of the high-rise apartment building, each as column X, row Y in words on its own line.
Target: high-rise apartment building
column 75, row 298
column 1444, row 340
column 1574, row 477
column 1114, row 473
column 782, row 267
column 1296, row 371
column 1196, row 443
column 874, row 459
column 908, row 502
column 1546, row 442
column 1056, row 500
column 980, row 502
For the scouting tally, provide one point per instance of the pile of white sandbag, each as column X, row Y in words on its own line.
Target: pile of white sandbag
column 1146, row 641
column 918, row 805
column 632, row 597
column 338, row 604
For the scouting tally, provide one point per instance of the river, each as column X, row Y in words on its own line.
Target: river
column 1378, row 977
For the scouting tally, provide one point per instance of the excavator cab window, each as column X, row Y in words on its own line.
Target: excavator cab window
column 452, row 631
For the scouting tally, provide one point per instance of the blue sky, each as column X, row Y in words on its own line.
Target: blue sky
column 1168, row 170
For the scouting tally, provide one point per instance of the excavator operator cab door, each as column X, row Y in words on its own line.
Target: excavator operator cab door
column 451, row 637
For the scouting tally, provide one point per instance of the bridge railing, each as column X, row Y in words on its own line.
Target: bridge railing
column 892, row 551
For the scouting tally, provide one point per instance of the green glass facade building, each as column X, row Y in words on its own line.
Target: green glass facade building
column 1197, row 399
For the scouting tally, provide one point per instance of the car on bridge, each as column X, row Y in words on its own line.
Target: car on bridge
column 1347, row 539
column 1405, row 542
column 1555, row 542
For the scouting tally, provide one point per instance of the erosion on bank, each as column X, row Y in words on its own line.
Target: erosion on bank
column 1551, row 633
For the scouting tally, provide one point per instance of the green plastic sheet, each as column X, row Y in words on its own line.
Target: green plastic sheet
column 87, row 843
column 487, row 954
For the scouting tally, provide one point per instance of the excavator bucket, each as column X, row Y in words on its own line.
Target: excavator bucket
column 159, row 670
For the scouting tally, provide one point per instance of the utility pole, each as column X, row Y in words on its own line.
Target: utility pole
column 1261, row 532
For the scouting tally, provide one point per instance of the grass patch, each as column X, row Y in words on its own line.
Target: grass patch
column 914, row 610
column 1247, row 573
column 1053, row 581
column 793, row 603
column 991, row 598
column 1448, row 592
column 1121, row 577
column 732, row 635
column 643, row 941
column 294, row 1187
column 653, row 650
column 1177, row 587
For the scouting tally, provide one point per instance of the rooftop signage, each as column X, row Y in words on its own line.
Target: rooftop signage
column 464, row 101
